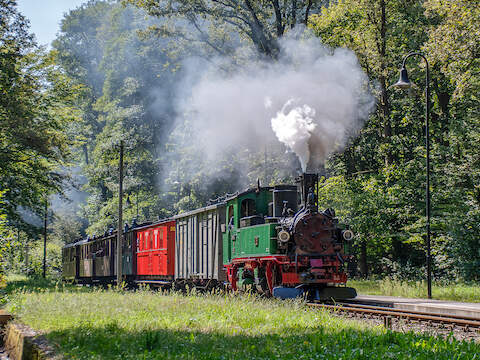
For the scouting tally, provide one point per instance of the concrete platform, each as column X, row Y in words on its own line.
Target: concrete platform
column 439, row 307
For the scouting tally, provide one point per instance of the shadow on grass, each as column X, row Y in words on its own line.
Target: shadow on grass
column 114, row 342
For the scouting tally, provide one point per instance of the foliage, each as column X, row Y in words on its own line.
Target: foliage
column 149, row 325
column 453, row 42
column 34, row 108
column 37, row 102
column 126, row 97
column 217, row 24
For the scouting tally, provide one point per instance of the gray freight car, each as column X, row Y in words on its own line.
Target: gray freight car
column 198, row 247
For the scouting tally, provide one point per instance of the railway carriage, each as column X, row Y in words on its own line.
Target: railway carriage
column 198, row 247
column 155, row 253
column 69, row 262
column 93, row 260
column 103, row 263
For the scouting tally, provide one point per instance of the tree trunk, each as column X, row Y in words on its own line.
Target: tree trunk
column 264, row 44
column 294, row 14
column 384, row 104
column 363, row 259
column 85, row 152
column 307, row 11
column 278, row 18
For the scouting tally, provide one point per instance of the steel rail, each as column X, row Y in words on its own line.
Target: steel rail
column 401, row 314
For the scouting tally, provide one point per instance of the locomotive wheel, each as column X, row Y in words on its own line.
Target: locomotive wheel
column 262, row 288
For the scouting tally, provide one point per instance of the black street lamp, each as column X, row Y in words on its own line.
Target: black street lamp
column 404, row 83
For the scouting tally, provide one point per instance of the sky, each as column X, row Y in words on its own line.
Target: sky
column 45, row 16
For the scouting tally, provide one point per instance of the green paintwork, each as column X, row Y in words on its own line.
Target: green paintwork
column 241, row 242
column 246, row 245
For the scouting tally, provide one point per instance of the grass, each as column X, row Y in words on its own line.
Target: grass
column 109, row 324
column 417, row 289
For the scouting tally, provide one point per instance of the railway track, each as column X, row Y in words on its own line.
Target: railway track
column 452, row 322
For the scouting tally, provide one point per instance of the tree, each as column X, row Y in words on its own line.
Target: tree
column 129, row 86
column 35, row 105
column 455, row 52
column 261, row 22
column 453, row 42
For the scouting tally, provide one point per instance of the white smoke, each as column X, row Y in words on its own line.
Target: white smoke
column 294, row 128
column 312, row 99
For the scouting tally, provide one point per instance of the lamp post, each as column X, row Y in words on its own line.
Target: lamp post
column 404, row 83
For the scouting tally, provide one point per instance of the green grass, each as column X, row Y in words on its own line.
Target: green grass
column 108, row 324
column 417, row 289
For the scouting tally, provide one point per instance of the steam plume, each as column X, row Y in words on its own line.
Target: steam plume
column 312, row 99
column 295, row 129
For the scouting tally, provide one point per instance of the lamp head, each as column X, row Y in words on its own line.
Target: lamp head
column 403, row 81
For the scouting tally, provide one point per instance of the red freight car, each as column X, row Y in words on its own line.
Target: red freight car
column 156, row 253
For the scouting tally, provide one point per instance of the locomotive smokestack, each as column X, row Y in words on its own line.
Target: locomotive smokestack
column 307, row 188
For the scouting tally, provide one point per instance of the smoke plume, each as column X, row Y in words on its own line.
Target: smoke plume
column 312, row 99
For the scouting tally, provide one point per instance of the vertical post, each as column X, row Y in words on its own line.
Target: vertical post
column 137, row 204
column 265, row 164
column 120, row 217
column 45, row 240
column 427, row 139
column 26, row 255
column 404, row 82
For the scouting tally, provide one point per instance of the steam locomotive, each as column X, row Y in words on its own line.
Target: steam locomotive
column 272, row 240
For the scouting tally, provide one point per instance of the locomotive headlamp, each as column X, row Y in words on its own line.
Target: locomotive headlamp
column 348, row 235
column 283, row 236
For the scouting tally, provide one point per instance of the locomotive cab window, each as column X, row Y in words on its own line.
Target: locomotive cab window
column 247, row 208
column 231, row 218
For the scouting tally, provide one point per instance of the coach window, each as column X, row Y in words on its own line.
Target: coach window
column 156, row 238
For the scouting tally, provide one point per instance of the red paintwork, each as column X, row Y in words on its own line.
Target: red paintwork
column 156, row 249
column 287, row 269
column 290, row 278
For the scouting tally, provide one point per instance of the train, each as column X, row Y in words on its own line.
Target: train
column 268, row 239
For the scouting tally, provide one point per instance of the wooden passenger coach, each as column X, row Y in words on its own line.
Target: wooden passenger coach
column 155, row 253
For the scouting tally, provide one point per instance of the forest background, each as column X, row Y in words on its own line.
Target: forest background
column 119, row 69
